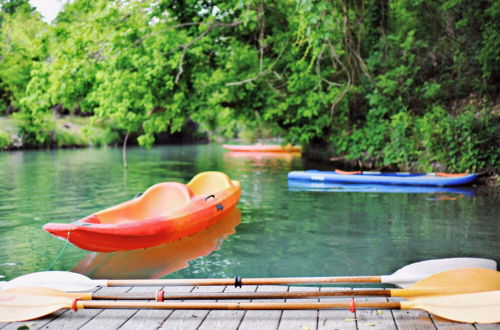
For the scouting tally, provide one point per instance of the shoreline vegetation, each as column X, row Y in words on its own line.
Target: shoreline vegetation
column 386, row 85
column 74, row 132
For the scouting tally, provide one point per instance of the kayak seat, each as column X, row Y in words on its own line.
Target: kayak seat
column 158, row 200
column 208, row 183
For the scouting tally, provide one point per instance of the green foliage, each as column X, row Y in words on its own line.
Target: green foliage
column 464, row 142
column 397, row 84
column 23, row 46
column 4, row 139
column 437, row 140
column 12, row 6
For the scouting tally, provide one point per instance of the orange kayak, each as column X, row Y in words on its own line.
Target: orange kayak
column 164, row 213
column 259, row 147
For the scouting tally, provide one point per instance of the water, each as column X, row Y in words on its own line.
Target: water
column 277, row 230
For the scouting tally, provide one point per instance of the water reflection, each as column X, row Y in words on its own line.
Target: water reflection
column 297, row 185
column 162, row 260
column 260, row 159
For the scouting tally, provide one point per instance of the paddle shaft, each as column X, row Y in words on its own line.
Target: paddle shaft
column 246, row 281
column 280, row 295
column 481, row 307
column 238, row 295
column 245, row 306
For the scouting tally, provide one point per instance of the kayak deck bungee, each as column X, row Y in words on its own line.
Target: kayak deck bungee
column 398, row 178
column 163, row 213
column 259, row 147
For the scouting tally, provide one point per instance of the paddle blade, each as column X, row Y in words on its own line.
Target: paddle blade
column 455, row 281
column 51, row 292
column 420, row 270
column 66, row 281
column 22, row 307
column 481, row 307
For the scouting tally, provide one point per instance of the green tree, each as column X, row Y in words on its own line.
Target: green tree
column 365, row 77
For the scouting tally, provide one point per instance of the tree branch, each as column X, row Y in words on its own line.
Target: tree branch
column 261, row 50
column 140, row 40
column 189, row 44
column 318, row 70
column 349, row 79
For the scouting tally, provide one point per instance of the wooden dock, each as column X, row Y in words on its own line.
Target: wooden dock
column 134, row 319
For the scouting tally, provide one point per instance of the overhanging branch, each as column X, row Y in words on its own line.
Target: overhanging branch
column 204, row 33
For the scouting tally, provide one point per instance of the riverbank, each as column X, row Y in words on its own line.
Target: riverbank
column 62, row 132
column 70, row 131
column 80, row 132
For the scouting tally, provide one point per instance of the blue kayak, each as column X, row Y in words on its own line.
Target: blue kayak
column 398, row 178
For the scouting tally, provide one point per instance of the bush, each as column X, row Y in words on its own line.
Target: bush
column 435, row 141
column 4, row 139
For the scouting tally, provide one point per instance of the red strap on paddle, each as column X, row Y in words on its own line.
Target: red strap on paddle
column 352, row 305
column 159, row 295
column 73, row 306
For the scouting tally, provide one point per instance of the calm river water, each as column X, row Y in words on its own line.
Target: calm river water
column 277, row 230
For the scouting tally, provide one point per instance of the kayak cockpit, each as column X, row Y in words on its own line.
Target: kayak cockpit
column 164, row 198
column 158, row 200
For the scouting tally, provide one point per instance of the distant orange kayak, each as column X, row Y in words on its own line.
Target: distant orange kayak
column 259, row 147
column 164, row 213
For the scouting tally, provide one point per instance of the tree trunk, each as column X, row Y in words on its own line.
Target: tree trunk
column 124, row 150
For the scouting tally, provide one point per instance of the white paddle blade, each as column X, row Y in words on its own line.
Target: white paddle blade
column 22, row 307
column 481, row 307
column 412, row 273
column 65, row 281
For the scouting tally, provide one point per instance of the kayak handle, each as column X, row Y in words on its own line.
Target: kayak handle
column 210, row 196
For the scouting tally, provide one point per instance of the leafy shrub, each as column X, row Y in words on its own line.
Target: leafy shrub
column 4, row 139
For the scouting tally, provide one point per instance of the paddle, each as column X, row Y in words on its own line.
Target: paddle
column 482, row 307
column 405, row 276
column 456, row 281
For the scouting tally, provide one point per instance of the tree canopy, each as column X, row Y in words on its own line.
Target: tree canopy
column 411, row 84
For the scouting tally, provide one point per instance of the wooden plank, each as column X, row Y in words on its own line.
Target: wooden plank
column 374, row 319
column 450, row 325
column 34, row 324
column 227, row 319
column 300, row 319
column 151, row 318
column 336, row 319
column 412, row 319
column 263, row 320
column 104, row 319
column 189, row 319
column 487, row 326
